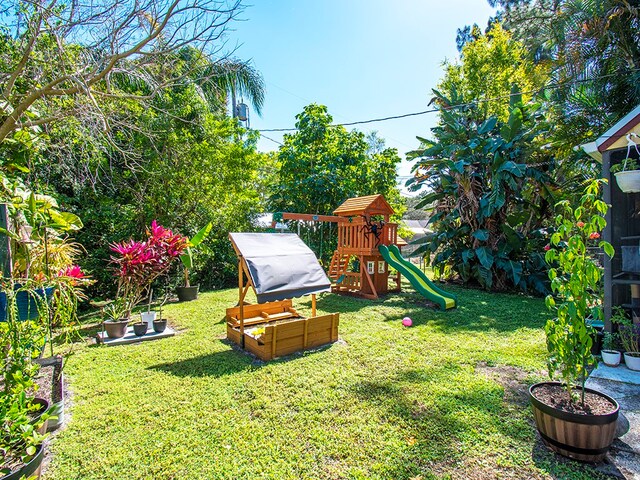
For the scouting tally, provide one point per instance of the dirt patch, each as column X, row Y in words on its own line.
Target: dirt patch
column 44, row 380
column 483, row 469
column 515, row 381
column 557, row 397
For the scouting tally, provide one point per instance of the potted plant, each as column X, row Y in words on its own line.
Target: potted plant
column 42, row 286
column 117, row 318
column 627, row 175
column 610, row 356
column 573, row 420
column 160, row 324
column 138, row 264
column 149, row 316
column 629, row 334
column 21, row 448
column 187, row 292
column 22, row 416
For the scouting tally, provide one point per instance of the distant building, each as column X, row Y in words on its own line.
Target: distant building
column 264, row 220
column 419, row 230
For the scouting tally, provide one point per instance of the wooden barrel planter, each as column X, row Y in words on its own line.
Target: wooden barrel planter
column 581, row 437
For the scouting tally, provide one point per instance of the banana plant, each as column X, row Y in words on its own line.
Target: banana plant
column 490, row 199
column 187, row 258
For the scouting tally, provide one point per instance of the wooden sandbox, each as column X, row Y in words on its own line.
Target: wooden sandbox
column 278, row 267
column 275, row 329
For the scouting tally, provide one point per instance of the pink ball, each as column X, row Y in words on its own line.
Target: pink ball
column 406, row 321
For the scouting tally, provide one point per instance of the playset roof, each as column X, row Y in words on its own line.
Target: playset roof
column 369, row 205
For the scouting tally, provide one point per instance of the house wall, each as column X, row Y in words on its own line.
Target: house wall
column 623, row 228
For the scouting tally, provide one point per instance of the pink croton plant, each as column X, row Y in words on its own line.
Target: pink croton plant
column 138, row 264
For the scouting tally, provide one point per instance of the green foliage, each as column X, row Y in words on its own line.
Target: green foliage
column 625, row 165
column 609, row 341
column 576, row 282
column 187, row 258
column 628, row 332
column 490, row 189
column 321, row 166
column 191, row 166
column 493, row 66
column 19, row 437
column 591, row 50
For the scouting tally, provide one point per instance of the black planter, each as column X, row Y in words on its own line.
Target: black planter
column 116, row 329
column 30, row 469
column 581, row 437
column 186, row 294
column 139, row 329
column 159, row 325
column 43, row 406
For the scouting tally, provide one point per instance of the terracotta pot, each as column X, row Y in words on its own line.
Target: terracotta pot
column 582, row 437
column 632, row 359
column 611, row 358
column 116, row 329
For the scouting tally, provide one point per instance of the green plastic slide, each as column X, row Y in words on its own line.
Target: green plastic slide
column 418, row 279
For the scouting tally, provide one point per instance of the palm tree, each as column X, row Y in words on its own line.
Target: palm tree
column 220, row 79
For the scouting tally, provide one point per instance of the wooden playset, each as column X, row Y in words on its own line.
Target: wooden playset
column 366, row 235
column 363, row 225
column 277, row 267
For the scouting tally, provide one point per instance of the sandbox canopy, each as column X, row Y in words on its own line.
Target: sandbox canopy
column 281, row 265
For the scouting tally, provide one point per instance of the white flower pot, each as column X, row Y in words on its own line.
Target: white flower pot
column 611, row 358
column 632, row 361
column 629, row 181
column 148, row 318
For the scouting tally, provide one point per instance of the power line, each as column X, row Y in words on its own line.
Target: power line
column 555, row 86
column 268, row 138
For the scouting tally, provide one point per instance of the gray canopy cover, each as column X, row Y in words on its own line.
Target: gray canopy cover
column 281, row 265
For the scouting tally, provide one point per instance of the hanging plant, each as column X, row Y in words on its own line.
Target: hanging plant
column 627, row 172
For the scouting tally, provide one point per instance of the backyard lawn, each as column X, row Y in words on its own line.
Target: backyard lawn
column 443, row 399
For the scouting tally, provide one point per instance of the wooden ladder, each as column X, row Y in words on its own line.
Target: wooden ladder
column 339, row 264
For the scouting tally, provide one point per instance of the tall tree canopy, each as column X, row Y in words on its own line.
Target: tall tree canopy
column 320, row 166
column 79, row 61
column 493, row 66
column 593, row 49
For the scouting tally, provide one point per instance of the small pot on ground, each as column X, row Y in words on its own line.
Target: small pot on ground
column 116, row 328
column 31, row 469
column 159, row 325
column 580, row 436
column 611, row 358
column 632, row 359
column 140, row 328
column 186, row 294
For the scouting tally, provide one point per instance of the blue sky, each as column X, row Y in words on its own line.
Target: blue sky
column 363, row 59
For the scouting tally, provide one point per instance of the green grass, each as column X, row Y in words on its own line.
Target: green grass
column 443, row 399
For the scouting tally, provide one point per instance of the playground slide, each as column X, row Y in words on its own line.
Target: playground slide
column 418, row 279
